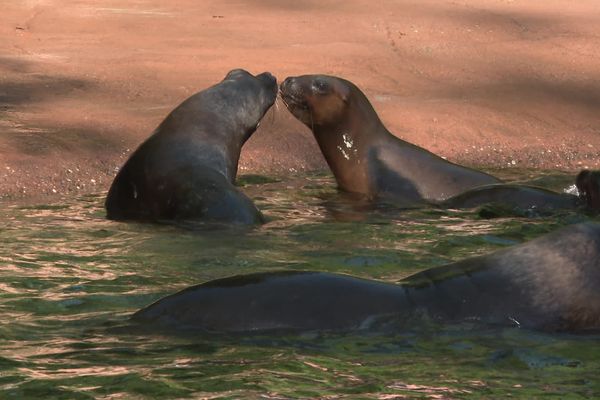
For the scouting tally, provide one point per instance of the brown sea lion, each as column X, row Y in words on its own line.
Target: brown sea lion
column 362, row 154
column 549, row 283
column 186, row 169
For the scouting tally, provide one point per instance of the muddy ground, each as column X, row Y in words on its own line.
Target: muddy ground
column 511, row 83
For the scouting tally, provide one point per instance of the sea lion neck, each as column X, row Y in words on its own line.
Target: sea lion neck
column 234, row 152
column 346, row 145
column 348, row 139
column 356, row 127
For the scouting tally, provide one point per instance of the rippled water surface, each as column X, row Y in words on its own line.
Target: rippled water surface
column 69, row 279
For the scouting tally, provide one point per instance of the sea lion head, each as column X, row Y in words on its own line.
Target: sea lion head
column 317, row 100
column 249, row 95
column 588, row 185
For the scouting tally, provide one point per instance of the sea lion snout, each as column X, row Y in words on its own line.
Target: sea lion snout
column 269, row 81
column 294, row 98
column 290, row 89
column 267, row 77
column 287, row 84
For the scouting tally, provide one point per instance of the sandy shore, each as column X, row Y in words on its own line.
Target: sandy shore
column 513, row 83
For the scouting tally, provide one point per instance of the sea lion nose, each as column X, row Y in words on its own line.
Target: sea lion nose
column 287, row 84
column 269, row 81
column 267, row 77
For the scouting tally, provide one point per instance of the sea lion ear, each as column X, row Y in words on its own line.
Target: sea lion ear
column 344, row 93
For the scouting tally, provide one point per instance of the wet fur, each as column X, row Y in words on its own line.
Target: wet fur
column 362, row 154
column 550, row 283
column 187, row 168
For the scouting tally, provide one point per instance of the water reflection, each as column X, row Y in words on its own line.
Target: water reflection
column 68, row 277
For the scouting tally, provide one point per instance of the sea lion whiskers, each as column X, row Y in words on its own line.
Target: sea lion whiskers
column 280, row 97
column 273, row 110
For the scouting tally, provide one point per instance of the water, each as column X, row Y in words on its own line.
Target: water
column 69, row 279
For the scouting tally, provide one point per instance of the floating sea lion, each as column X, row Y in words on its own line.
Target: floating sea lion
column 549, row 283
column 515, row 198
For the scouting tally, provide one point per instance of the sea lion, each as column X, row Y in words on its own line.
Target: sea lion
column 186, row 169
column 362, row 154
column 520, row 197
column 588, row 185
column 515, row 198
column 490, row 201
column 549, row 283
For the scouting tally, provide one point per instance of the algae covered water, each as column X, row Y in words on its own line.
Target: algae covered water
column 69, row 280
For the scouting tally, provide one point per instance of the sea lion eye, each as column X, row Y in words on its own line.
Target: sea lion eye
column 320, row 86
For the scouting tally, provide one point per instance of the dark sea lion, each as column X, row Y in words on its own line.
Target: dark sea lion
column 588, row 185
column 363, row 155
column 186, row 169
column 491, row 201
column 514, row 197
column 525, row 197
column 550, row 283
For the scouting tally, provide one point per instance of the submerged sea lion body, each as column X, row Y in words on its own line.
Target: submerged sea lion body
column 362, row 154
column 186, row 169
column 525, row 197
column 514, row 196
column 549, row 283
